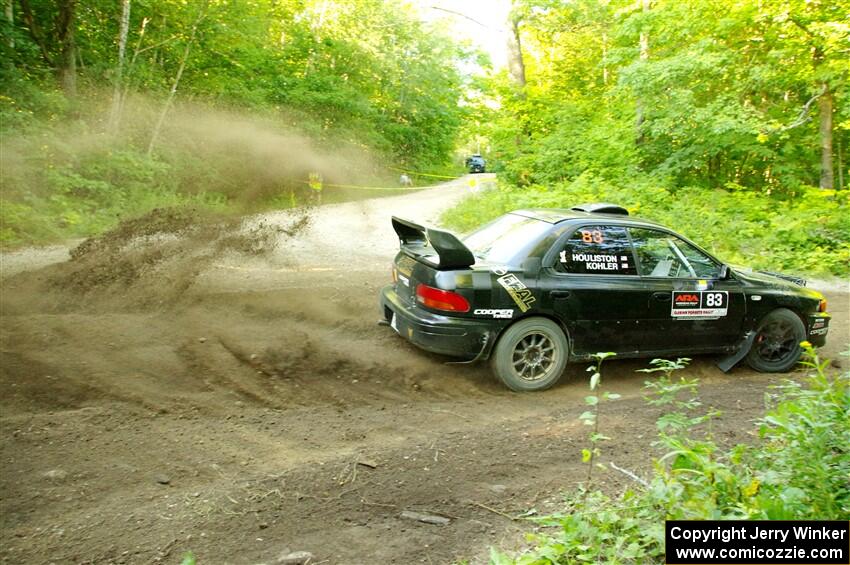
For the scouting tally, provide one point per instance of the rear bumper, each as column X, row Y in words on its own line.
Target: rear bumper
column 818, row 327
column 458, row 337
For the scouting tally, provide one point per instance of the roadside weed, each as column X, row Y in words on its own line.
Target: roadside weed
column 797, row 468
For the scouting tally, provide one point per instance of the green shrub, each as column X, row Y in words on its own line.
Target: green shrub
column 797, row 470
column 57, row 192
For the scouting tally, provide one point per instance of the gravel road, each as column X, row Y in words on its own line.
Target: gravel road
column 229, row 393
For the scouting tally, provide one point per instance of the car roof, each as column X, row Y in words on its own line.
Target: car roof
column 559, row 215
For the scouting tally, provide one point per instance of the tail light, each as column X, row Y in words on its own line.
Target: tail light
column 441, row 299
column 822, row 305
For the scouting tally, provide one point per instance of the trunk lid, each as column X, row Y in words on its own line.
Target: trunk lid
column 433, row 257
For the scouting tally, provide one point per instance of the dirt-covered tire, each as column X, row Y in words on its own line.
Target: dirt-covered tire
column 776, row 347
column 530, row 355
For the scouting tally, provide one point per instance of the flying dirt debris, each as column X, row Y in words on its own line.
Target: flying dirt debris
column 156, row 258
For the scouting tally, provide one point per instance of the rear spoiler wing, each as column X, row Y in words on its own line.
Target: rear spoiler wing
column 416, row 239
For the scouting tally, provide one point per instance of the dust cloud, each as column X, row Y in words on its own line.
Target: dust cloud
column 245, row 158
column 153, row 255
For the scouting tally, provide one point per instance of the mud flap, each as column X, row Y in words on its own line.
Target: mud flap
column 727, row 363
column 485, row 343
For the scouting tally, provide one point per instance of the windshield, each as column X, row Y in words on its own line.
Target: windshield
column 503, row 238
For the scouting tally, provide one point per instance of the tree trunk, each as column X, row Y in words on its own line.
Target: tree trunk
column 124, row 29
column 825, row 105
column 35, row 31
column 130, row 66
column 316, row 27
column 10, row 17
column 516, row 66
column 640, row 116
column 173, row 91
column 67, row 63
column 604, row 59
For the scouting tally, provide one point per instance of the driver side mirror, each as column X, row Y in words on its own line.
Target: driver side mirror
column 724, row 272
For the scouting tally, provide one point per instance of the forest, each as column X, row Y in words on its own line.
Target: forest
column 728, row 117
column 111, row 108
column 709, row 112
column 706, row 111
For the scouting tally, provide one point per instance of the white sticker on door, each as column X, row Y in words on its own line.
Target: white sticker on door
column 699, row 304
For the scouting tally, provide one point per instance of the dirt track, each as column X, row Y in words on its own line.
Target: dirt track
column 243, row 404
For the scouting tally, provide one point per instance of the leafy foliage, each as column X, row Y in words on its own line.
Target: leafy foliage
column 797, row 471
column 721, row 93
column 591, row 416
column 369, row 69
column 267, row 90
column 703, row 115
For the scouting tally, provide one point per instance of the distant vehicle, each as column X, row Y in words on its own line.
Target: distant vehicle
column 476, row 163
column 535, row 289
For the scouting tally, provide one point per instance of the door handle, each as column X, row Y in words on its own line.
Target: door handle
column 559, row 294
column 661, row 296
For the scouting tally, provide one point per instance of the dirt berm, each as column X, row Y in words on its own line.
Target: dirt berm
column 222, row 388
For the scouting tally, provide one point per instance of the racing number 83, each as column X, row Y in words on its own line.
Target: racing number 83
column 594, row 236
column 714, row 299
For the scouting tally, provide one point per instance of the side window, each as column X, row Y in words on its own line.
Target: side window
column 598, row 250
column 660, row 254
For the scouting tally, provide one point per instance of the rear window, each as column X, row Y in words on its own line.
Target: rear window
column 504, row 238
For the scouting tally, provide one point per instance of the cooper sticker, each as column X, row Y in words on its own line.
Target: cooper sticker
column 819, row 327
column 504, row 313
column 500, row 270
column 518, row 291
column 700, row 304
column 404, row 279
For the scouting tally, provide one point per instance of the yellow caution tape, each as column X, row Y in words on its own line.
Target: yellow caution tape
column 327, row 184
column 422, row 174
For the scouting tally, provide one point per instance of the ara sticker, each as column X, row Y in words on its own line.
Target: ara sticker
column 698, row 304
column 518, row 291
column 505, row 313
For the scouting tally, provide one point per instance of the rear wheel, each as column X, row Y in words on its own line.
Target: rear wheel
column 531, row 355
column 776, row 347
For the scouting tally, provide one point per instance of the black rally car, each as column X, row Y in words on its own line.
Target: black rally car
column 535, row 289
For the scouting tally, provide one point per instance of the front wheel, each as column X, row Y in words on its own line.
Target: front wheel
column 776, row 348
column 531, row 355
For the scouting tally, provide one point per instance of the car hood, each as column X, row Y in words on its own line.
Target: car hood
column 763, row 280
